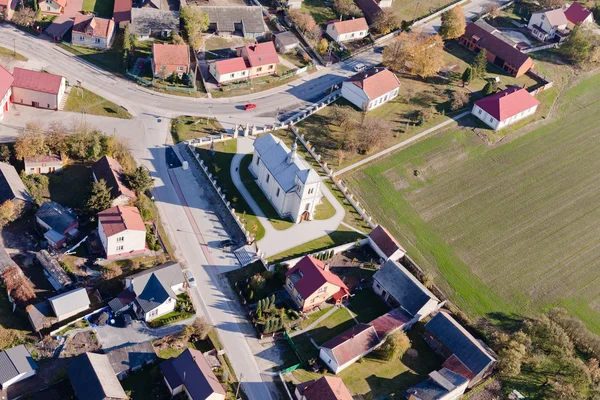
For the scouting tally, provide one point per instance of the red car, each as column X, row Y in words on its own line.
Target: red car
column 249, row 106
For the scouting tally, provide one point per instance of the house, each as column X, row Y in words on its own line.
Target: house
column 577, row 14
column 311, row 283
column 506, row 107
column 324, row 388
column 441, row 385
column 58, row 222
column 231, row 69
column 286, row 41
column 122, row 231
column 6, row 81
column 93, row 378
column 548, row 25
column 392, row 321
column 122, row 302
column 131, row 358
column 92, row 31
column 111, row 171
column 170, row 58
column 501, row 51
column 52, row 7
column 156, row 290
column 401, row 289
column 43, row 164
column 371, row 89
column 69, row 304
column 16, row 364
column 261, row 58
column 7, row 9
column 37, row 89
column 122, row 13
column 190, row 373
column 12, row 187
column 350, row 29
column 40, row 315
column 247, row 20
column 53, row 271
column 464, row 354
column 292, row 187
column 385, row 245
column 149, row 22
column 346, row 348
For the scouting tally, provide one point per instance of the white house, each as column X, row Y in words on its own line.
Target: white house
column 16, row 364
column 351, row 29
column 92, row 31
column 548, row 24
column 385, row 245
column 156, row 290
column 6, row 81
column 232, row 69
column 43, row 164
column 506, row 107
column 69, row 304
column 371, row 89
column 289, row 183
column 38, row 89
column 345, row 349
column 122, row 231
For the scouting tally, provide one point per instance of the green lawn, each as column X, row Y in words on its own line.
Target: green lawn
column 10, row 53
column 186, row 128
column 219, row 165
column 367, row 305
column 110, row 60
column 320, row 11
column 314, row 316
column 406, row 10
column 507, row 228
column 85, row 101
column 70, row 187
column 102, row 8
column 146, row 384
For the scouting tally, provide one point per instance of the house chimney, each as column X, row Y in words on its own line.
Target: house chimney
column 326, row 267
column 292, row 156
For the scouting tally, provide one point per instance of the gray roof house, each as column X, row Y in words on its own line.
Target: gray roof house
column 93, row 378
column 441, row 385
column 156, row 290
column 191, row 371
column 147, row 22
column 16, row 364
column 53, row 216
column 55, row 274
column 464, row 354
column 71, row 303
column 286, row 42
column 131, row 358
column 11, row 185
column 248, row 20
column 5, row 260
column 402, row 290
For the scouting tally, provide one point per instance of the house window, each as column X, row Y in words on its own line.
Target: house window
column 277, row 192
column 257, row 160
column 377, row 285
column 120, row 239
column 243, row 73
column 232, row 75
column 491, row 119
column 307, row 206
column 97, row 40
column 271, row 66
column 258, row 69
column 299, row 298
column 90, row 32
column 352, row 35
column 268, row 177
column 81, row 37
column 291, row 284
column 543, row 17
column 32, row 169
column 479, row 111
column 119, row 248
column 179, row 68
column 310, row 191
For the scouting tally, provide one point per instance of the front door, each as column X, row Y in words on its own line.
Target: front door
column 305, row 216
column 35, row 104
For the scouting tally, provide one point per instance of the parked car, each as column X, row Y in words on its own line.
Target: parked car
column 226, row 244
column 250, row 106
column 190, row 278
column 360, row 67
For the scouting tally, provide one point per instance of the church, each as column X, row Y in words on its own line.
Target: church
column 292, row 187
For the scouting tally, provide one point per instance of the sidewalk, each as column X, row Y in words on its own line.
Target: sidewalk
column 315, row 323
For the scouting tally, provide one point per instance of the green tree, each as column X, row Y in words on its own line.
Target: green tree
column 267, row 304
column 100, row 198
column 37, row 185
column 453, row 23
column 577, row 47
column 322, row 46
column 394, row 346
column 480, row 64
column 467, row 76
column 272, row 302
column 4, row 153
column 140, row 180
column 490, row 88
column 195, row 22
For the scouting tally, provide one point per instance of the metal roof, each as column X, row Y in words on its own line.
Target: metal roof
column 55, row 216
column 69, row 301
column 11, row 185
column 145, row 20
column 191, row 369
column 93, row 378
column 225, row 18
column 287, row 38
column 14, row 362
column 153, row 286
column 131, row 357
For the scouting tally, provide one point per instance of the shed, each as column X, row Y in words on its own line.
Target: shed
column 93, row 378
column 55, row 274
column 248, row 20
column 286, row 42
column 16, row 364
column 11, row 186
column 70, row 303
column 147, row 22
column 131, row 358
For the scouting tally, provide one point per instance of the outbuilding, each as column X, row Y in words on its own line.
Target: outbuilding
column 69, row 304
column 43, row 164
column 16, row 364
column 37, row 89
column 286, row 42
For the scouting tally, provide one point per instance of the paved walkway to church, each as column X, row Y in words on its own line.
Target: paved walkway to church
column 276, row 241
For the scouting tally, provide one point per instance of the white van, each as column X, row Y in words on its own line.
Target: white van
column 190, row 278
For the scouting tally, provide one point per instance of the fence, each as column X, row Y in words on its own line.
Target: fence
column 540, row 48
column 148, row 82
column 438, row 13
column 328, row 253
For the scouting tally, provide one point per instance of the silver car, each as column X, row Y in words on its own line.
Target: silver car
column 190, row 278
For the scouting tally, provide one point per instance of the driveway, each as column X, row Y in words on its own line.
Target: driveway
column 471, row 9
column 64, row 22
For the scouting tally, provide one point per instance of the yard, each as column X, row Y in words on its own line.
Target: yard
column 10, row 53
column 407, row 10
column 320, row 10
column 258, row 84
column 507, row 228
column 186, row 128
column 102, row 8
column 87, row 102
column 110, row 60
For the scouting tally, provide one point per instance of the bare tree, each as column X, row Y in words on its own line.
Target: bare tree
column 303, row 20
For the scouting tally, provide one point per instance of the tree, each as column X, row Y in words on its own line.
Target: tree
column 547, row 337
column 479, row 64
column 394, row 345
column 57, row 138
column 386, row 21
column 459, row 99
column 139, row 180
column 347, row 8
column 375, row 133
column 24, row 17
column 31, row 142
column 186, row 79
column 490, row 88
column 127, row 42
column 4, row 153
column 577, row 47
column 200, row 329
column 37, row 185
column 195, row 23
column 8, row 212
column 303, row 20
column 111, row 271
column 100, row 198
column 272, row 302
column 453, row 23
column 467, row 76
column 419, row 54
column 548, row 4
column 176, row 38
column 322, row 46
column 492, row 10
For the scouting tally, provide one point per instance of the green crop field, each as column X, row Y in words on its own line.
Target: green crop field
column 506, row 228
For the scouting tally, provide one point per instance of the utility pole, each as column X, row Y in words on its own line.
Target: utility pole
column 209, row 114
column 416, row 7
column 237, row 391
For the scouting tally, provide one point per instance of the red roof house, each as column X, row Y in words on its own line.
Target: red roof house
column 37, row 89
column 370, row 89
column 350, row 29
column 325, row 388
column 122, row 231
column 92, row 31
column 310, row 283
column 6, row 80
column 8, row 7
column 232, row 69
column 390, row 322
column 506, row 107
column 385, row 245
column 122, row 12
column 262, row 58
column 577, row 14
column 169, row 58
column 346, row 348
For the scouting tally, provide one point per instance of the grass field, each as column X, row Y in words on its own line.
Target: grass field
column 510, row 228
column 320, row 11
column 407, row 10
column 10, row 53
column 110, row 60
column 186, row 128
column 91, row 103
column 102, row 8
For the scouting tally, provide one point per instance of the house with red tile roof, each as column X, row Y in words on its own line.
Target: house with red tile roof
column 232, row 69
column 578, row 14
column 169, row 58
column 345, row 349
column 385, row 245
column 122, row 13
column 7, row 8
column 111, row 171
column 52, row 7
column 325, row 388
column 371, row 89
column 350, row 29
column 37, row 89
column 92, row 31
column 501, row 50
column 122, row 231
column 506, row 107
column 311, row 283
column 6, row 81
column 547, row 25
column 262, row 58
